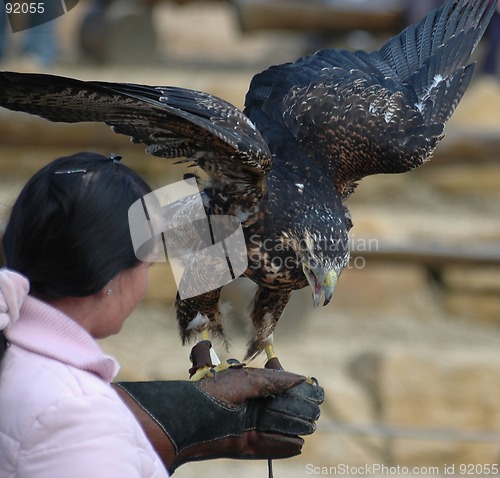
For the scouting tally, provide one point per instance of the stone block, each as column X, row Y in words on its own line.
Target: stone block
column 473, row 293
column 445, row 403
column 476, row 279
column 386, row 288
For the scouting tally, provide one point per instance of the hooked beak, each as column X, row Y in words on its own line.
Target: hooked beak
column 321, row 282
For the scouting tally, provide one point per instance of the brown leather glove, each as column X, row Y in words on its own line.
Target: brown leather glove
column 242, row 413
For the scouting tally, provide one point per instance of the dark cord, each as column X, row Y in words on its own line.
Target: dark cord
column 270, row 468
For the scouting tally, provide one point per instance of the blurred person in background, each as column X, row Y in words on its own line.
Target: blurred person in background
column 39, row 35
column 3, row 33
column 490, row 61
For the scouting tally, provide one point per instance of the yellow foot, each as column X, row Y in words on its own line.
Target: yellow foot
column 272, row 359
column 205, row 362
column 211, row 372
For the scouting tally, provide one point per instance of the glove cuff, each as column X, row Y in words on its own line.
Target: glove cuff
column 169, row 404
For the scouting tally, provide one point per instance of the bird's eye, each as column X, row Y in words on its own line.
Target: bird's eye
column 312, row 264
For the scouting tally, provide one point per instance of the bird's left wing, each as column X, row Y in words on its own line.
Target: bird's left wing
column 357, row 113
column 171, row 122
column 340, row 110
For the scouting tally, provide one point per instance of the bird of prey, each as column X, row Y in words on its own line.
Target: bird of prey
column 284, row 166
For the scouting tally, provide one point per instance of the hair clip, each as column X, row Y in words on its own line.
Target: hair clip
column 115, row 158
column 70, row 171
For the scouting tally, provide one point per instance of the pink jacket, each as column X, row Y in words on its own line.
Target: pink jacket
column 59, row 416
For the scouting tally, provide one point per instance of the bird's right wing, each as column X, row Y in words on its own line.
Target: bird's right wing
column 171, row 122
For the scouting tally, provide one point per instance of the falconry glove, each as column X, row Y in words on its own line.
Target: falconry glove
column 242, row 413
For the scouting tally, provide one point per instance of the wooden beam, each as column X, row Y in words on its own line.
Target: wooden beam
column 313, row 15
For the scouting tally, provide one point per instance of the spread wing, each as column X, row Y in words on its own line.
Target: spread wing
column 171, row 122
column 358, row 113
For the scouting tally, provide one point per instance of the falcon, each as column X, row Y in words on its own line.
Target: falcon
column 285, row 166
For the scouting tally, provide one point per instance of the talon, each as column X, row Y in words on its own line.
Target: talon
column 235, row 363
column 213, row 370
column 202, row 372
column 312, row 381
column 206, row 363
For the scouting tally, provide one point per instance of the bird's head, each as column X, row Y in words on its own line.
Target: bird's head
column 322, row 262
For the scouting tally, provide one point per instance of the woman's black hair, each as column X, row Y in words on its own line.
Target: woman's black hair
column 68, row 232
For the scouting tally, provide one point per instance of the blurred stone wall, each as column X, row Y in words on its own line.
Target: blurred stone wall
column 409, row 358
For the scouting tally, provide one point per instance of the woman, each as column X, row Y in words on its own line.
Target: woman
column 71, row 278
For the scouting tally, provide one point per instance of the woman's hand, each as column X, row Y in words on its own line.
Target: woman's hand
column 241, row 413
